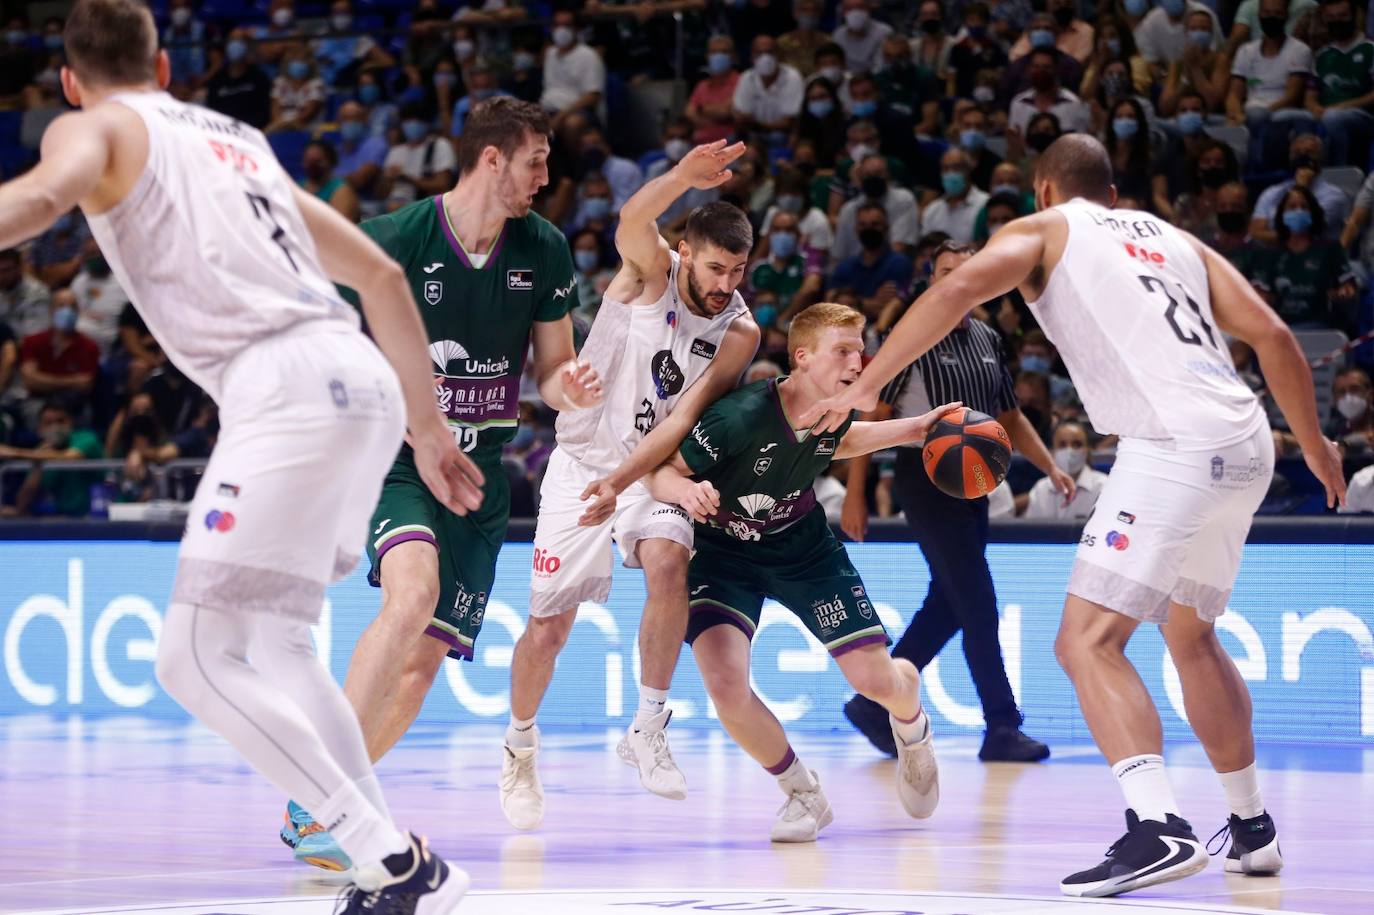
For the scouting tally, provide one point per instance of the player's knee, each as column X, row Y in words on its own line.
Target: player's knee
column 545, row 636
column 729, row 691
column 410, row 602
column 877, row 681
column 665, row 565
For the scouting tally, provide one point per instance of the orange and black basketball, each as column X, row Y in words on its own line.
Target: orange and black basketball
column 967, row 454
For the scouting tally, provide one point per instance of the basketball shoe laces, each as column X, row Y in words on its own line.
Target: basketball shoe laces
column 520, row 776
column 918, row 764
column 800, row 804
column 658, row 746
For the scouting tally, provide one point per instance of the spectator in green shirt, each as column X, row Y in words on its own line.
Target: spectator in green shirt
column 1308, row 280
column 1342, row 96
column 783, row 271
column 58, row 492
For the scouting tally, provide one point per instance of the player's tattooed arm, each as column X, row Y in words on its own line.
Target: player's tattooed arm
column 672, row 483
column 866, row 438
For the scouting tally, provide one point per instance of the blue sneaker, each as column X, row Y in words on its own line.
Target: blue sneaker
column 310, row 842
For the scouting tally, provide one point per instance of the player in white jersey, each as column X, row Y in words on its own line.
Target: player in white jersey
column 230, row 265
column 672, row 335
column 1137, row 309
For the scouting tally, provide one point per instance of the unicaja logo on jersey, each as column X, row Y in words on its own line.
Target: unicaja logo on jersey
column 445, row 351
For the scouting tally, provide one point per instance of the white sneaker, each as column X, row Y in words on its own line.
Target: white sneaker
column 918, row 777
column 803, row 815
column 522, row 797
column 647, row 750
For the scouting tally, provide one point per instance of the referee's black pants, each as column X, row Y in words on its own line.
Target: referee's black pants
column 953, row 536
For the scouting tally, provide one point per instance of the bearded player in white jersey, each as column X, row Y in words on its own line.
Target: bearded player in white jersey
column 230, row 265
column 1137, row 309
column 671, row 337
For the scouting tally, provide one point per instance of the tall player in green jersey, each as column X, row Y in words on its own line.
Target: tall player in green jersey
column 490, row 277
column 760, row 533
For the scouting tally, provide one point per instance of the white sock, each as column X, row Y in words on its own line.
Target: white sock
column 796, row 777
column 651, row 703
column 520, row 733
column 1242, row 792
column 359, row 827
column 1146, row 786
column 912, row 731
column 372, row 790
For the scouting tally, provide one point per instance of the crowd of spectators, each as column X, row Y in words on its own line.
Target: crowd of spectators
column 876, row 129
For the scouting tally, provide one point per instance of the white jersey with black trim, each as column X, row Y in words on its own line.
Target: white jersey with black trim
column 1129, row 308
column 209, row 243
column 647, row 356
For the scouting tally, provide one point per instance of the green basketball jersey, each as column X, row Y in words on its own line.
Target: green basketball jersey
column 478, row 319
column 763, row 468
column 1344, row 75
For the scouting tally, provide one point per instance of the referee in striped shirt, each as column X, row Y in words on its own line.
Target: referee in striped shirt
column 965, row 366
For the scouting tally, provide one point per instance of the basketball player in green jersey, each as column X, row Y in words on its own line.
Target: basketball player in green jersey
column 489, row 276
column 760, row 533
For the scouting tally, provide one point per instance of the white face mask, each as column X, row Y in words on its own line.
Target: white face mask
column 563, row 36
column 856, row 19
column 1070, row 460
column 1352, row 406
column 766, row 64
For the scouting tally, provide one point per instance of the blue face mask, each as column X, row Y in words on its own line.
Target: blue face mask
column 64, row 319
column 522, row 60
column 954, row 183
column 369, row 93
column 596, row 207
column 52, row 42
column 1200, row 37
column 1137, row 7
column 414, row 131
column 972, row 139
column 820, row 107
column 446, row 79
column 1013, row 189
column 1033, row 363
column 236, row 50
column 16, row 36
column 1114, row 47
column 1190, row 122
column 718, row 62
column 1125, row 128
column 1041, row 38
column 1299, row 222
column 1173, row 7
column 586, row 261
column 865, row 109
column 766, row 315
column 784, row 244
column 352, row 131
column 298, row 69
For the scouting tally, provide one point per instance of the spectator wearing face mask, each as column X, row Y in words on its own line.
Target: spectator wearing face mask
column 860, row 35
column 595, row 208
column 997, row 212
column 1127, row 138
column 1047, row 96
column 595, row 271
column 901, row 215
column 481, row 85
column 1066, row 71
column 1195, row 209
column 769, row 95
column 1232, row 236
column 1308, row 281
column 57, row 254
column 360, row 154
column 623, row 176
column 815, row 236
column 319, row 162
column 798, row 47
column 574, row 74
column 1179, row 163
column 60, row 362
column 1246, row 25
column 956, row 210
column 525, row 80
column 1204, row 68
column 970, row 134
column 1306, row 155
column 383, row 115
column 99, row 302
column 821, row 122
column 879, row 275
column 1040, row 132
column 1070, row 34
column 1045, row 503
column 783, row 271
column 711, row 105
column 423, row 163
column 1268, row 86
column 184, row 39
column 280, row 34
column 931, row 45
column 1352, row 402
column 53, row 492
column 1162, row 35
column 343, row 51
column 895, row 133
column 1035, row 353
column 975, row 53
column 297, row 93
column 1114, row 42
column 1342, row 96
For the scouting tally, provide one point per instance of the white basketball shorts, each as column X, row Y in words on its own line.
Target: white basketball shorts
column 310, row 421
column 573, row 563
column 1170, row 526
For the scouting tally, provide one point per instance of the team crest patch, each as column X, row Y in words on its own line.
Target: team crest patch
column 703, row 348
column 761, row 466
column 520, row 280
column 434, row 291
column 825, row 446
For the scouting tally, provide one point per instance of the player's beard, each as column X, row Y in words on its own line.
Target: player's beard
column 510, row 197
column 702, row 303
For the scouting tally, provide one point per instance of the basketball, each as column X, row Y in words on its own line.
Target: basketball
column 967, row 454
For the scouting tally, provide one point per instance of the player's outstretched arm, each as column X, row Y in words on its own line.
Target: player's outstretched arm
column 76, row 154
column 1005, row 262
column 736, row 351
column 672, row 483
column 352, row 259
column 1242, row 313
column 868, row 437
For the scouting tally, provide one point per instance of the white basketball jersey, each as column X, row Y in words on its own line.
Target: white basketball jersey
column 209, row 244
column 647, row 356
column 1128, row 307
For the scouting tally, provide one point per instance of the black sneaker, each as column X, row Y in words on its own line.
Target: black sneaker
column 870, row 719
column 1006, row 743
column 1150, row 852
column 429, row 887
column 1254, row 846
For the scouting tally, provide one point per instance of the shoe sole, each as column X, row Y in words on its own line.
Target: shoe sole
column 1039, row 757
column 446, row 898
column 324, row 864
column 1262, row 862
column 827, row 817
column 525, row 828
column 1127, row 883
column 627, row 756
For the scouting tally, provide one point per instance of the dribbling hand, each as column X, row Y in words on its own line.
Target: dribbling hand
column 705, row 166
column 701, row 501
column 1326, row 466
